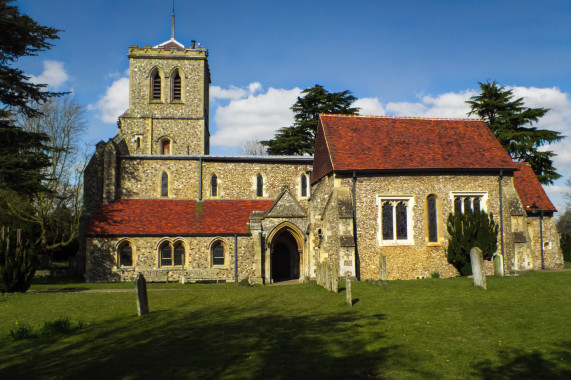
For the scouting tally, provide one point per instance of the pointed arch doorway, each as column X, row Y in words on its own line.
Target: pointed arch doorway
column 286, row 248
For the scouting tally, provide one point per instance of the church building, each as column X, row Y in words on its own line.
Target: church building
column 372, row 202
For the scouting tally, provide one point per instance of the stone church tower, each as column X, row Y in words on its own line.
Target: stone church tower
column 168, row 100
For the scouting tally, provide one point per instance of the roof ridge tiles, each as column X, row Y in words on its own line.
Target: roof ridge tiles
column 402, row 117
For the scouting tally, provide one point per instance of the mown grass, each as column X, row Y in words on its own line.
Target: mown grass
column 433, row 328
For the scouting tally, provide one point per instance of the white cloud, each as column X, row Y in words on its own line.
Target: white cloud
column 54, row 75
column 369, row 106
column 114, row 102
column 254, row 113
column 232, row 93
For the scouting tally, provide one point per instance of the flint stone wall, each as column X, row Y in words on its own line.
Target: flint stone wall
column 102, row 259
column 141, row 178
column 422, row 258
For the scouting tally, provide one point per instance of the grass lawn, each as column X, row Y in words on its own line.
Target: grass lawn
column 435, row 328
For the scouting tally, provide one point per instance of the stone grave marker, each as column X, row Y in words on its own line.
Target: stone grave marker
column 498, row 270
column 141, row 290
column 335, row 276
column 382, row 267
column 478, row 267
column 348, row 297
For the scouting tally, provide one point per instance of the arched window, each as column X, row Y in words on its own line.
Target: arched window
column 432, row 219
column 259, row 185
column 176, row 86
column 165, row 147
column 169, row 256
column 155, row 85
column 303, row 185
column 214, row 185
column 166, row 254
column 164, row 185
column 178, row 258
column 125, row 255
column 218, row 254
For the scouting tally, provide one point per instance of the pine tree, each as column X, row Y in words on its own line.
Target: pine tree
column 299, row 139
column 512, row 124
column 22, row 153
column 469, row 230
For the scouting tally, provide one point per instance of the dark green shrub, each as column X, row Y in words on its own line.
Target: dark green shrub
column 17, row 266
column 566, row 246
column 435, row 275
column 244, row 282
column 469, row 230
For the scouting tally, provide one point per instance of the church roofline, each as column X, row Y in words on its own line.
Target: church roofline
column 301, row 159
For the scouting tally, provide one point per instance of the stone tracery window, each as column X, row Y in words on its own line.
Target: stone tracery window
column 172, row 256
column 395, row 217
column 469, row 203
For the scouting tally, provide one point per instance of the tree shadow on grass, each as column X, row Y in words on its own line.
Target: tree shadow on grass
column 518, row 364
column 212, row 343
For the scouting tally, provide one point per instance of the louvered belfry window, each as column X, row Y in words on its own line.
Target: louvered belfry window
column 176, row 86
column 156, row 86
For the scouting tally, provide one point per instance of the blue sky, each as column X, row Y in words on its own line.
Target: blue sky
column 409, row 58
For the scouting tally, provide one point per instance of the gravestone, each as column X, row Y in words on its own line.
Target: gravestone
column 478, row 267
column 498, row 270
column 382, row 267
column 335, row 276
column 348, row 297
column 141, row 290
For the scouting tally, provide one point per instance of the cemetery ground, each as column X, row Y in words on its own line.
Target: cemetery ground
column 433, row 328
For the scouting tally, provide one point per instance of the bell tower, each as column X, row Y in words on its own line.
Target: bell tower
column 168, row 100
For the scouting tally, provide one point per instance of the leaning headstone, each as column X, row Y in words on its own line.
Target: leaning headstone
column 348, row 296
column 141, row 290
column 478, row 267
column 382, row 267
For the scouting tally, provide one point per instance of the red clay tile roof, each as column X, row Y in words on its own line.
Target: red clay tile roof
column 173, row 217
column 530, row 190
column 398, row 143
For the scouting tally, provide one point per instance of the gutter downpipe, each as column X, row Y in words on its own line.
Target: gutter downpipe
column 541, row 239
column 502, row 223
column 235, row 258
column 200, row 178
column 357, row 261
